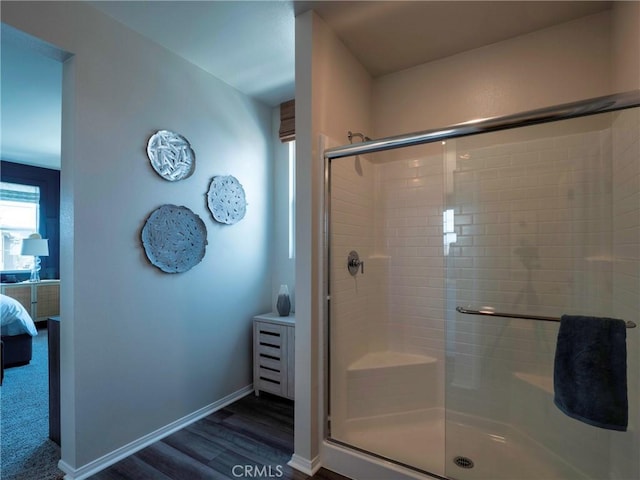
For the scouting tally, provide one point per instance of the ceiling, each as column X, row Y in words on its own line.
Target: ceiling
column 389, row 36
column 251, row 44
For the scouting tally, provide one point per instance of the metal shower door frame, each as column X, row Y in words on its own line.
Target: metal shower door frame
column 593, row 106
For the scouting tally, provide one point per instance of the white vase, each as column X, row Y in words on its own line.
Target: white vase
column 284, row 303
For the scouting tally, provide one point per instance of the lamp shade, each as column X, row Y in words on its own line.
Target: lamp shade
column 35, row 246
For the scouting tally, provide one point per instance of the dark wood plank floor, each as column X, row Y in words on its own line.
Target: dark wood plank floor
column 251, row 438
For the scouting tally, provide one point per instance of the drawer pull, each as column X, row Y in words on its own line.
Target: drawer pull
column 269, row 356
column 265, row 332
column 269, row 380
column 274, row 352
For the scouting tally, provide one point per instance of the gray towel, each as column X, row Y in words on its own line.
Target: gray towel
column 590, row 371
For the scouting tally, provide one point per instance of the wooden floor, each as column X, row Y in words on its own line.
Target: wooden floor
column 251, row 438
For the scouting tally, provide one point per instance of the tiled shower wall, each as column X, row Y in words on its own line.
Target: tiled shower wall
column 390, row 211
column 408, row 209
column 533, row 226
column 353, row 330
column 352, row 223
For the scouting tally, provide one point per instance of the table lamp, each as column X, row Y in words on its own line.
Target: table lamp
column 38, row 247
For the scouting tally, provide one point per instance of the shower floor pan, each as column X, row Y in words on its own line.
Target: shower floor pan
column 417, row 439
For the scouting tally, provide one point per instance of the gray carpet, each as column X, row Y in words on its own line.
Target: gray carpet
column 26, row 453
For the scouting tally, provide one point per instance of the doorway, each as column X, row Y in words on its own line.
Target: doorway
column 31, row 106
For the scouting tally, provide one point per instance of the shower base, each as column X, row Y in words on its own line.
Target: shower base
column 383, row 383
column 417, row 438
column 413, row 438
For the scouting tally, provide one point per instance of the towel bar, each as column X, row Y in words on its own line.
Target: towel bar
column 491, row 313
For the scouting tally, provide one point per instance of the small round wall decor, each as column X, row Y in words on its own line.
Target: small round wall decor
column 170, row 155
column 174, row 238
column 226, row 199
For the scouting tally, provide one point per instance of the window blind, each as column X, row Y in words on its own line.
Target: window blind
column 19, row 193
column 288, row 121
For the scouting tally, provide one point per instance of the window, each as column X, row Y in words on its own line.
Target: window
column 448, row 229
column 19, row 218
column 292, row 199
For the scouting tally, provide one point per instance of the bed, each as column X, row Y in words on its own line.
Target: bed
column 17, row 330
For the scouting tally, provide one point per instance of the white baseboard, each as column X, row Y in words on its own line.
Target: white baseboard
column 308, row 467
column 109, row 459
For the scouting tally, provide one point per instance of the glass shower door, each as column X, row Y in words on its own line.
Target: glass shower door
column 386, row 325
column 544, row 221
column 536, row 221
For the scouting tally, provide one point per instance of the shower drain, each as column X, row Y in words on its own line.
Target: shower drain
column 463, row 462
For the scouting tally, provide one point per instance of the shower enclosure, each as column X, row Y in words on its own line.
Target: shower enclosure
column 451, row 256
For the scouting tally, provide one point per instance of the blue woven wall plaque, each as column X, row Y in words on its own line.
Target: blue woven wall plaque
column 226, row 199
column 174, row 238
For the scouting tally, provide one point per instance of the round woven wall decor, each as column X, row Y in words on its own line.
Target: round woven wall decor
column 170, row 155
column 174, row 238
column 226, row 199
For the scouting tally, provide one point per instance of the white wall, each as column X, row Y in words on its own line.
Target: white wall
column 625, row 34
column 332, row 97
column 556, row 65
column 141, row 348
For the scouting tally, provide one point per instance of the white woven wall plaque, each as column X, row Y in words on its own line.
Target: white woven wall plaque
column 174, row 238
column 170, row 155
column 226, row 199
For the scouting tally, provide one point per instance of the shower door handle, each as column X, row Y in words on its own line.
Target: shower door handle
column 354, row 263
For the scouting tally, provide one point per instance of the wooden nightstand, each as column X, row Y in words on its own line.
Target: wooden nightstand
column 40, row 299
